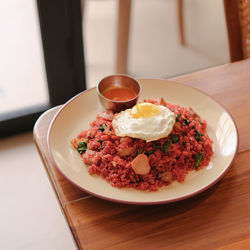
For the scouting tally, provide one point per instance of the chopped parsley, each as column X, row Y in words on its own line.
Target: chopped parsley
column 198, row 136
column 197, row 159
column 102, row 127
column 82, row 147
column 177, row 117
column 148, row 153
column 166, row 146
column 174, row 138
column 100, row 141
column 186, row 122
column 158, row 146
column 139, row 151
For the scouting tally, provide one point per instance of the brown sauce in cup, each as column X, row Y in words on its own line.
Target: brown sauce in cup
column 119, row 93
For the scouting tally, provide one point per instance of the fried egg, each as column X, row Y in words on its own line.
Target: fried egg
column 144, row 121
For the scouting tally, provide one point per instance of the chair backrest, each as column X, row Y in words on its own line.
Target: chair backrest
column 237, row 13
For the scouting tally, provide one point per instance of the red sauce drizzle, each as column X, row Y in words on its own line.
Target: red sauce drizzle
column 119, row 93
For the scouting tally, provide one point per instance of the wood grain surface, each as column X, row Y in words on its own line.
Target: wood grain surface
column 218, row 218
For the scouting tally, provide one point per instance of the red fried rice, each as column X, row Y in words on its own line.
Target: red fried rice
column 187, row 148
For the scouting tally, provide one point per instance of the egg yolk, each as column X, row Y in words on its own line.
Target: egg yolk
column 144, row 110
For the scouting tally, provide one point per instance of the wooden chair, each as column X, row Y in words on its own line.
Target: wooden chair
column 123, row 32
column 237, row 13
column 123, row 27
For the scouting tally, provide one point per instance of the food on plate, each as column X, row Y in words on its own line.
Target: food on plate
column 145, row 121
column 140, row 164
column 139, row 155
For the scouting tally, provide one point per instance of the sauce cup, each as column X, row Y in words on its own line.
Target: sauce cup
column 118, row 92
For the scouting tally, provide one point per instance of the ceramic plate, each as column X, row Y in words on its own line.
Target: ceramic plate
column 78, row 112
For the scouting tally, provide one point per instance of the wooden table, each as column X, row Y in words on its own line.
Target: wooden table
column 218, row 218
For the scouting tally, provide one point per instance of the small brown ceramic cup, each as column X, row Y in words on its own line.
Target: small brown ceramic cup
column 118, row 81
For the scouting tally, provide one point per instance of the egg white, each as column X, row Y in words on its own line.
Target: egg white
column 148, row 129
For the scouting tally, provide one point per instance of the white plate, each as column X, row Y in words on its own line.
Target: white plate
column 78, row 112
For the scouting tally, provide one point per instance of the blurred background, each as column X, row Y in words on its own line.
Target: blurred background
column 30, row 213
column 154, row 46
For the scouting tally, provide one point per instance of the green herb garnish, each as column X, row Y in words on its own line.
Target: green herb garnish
column 139, row 151
column 148, row 153
column 174, row 138
column 186, row 122
column 100, row 141
column 198, row 136
column 177, row 117
column 82, row 147
column 166, row 146
column 197, row 159
column 158, row 146
column 102, row 127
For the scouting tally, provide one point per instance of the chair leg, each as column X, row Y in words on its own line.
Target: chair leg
column 180, row 21
column 82, row 7
column 123, row 26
